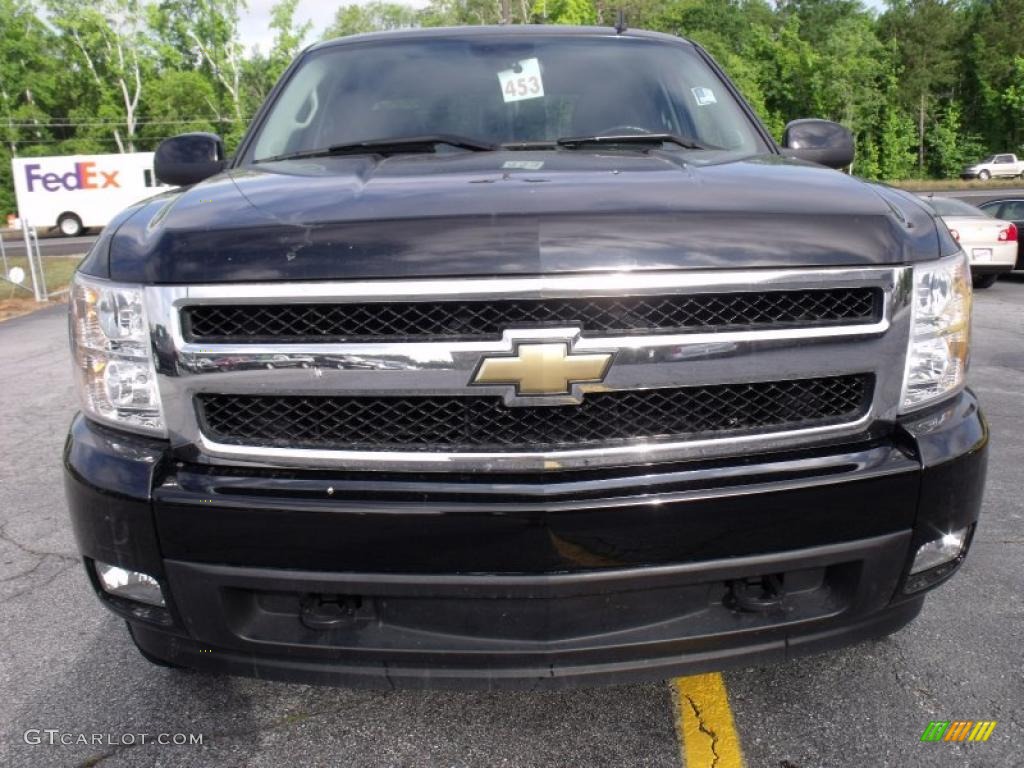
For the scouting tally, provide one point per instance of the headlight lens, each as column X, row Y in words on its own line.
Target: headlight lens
column 937, row 355
column 112, row 355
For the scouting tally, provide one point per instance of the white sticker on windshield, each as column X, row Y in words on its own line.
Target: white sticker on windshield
column 704, row 96
column 522, row 81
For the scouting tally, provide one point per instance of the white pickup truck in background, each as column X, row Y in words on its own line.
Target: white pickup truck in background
column 76, row 192
column 993, row 167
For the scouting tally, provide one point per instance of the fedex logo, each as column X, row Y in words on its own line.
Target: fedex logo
column 84, row 176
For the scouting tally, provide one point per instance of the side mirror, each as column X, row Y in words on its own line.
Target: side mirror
column 189, row 158
column 819, row 141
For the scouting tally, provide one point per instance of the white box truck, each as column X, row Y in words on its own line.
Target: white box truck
column 76, row 192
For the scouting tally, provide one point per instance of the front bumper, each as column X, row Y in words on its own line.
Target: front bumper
column 563, row 579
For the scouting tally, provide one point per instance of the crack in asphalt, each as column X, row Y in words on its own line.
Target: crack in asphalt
column 901, row 663
column 45, row 583
column 30, row 551
column 24, row 574
column 702, row 726
column 42, row 557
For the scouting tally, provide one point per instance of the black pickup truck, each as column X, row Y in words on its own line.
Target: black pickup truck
column 518, row 357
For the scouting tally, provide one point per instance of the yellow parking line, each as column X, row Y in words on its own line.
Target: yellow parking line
column 704, row 725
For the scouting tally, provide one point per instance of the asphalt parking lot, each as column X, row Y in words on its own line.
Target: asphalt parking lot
column 67, row 665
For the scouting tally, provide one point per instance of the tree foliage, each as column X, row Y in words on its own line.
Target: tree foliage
column 925, row 86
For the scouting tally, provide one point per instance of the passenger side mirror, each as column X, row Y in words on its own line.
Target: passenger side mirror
column 189, row 158
column 819, row 141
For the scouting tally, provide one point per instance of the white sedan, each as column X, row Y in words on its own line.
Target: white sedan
column 990, row 244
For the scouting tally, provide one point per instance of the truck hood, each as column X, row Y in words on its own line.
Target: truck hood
column 498, row 213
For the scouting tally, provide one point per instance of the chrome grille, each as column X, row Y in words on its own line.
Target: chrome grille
column 765, row 378
column 457, row 320
column 472, row 423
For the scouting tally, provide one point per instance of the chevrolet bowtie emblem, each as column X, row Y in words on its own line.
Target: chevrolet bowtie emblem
column 543, row 368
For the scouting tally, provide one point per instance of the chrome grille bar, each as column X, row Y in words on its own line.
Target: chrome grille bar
column 439, row 367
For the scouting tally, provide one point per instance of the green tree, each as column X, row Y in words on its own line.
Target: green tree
column 109, row 40
column 897, row 142
column 374, row 16
column 950, row 145
column 177, row 102
column 994, row 43
column 1012, row 99
column 565, row 11
column 29, row 91
column 927, row 34
column 202, row 35
column 289, row 35
column 850, row 64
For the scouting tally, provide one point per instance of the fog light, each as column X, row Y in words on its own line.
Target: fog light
column 130, row 585
column 936, row 559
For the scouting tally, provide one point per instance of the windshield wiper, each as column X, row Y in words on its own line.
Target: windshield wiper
column 388, row 146
column 574, row 142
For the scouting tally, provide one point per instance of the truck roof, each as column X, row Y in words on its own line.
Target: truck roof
column 506, row 30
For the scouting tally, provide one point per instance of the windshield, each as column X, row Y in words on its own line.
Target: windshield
column 945, row 206
column 501, row 90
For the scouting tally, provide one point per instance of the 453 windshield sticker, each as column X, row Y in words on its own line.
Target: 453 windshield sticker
column 522, row 82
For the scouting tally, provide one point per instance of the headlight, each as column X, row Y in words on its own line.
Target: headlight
column 940, row 329
column 112, row 355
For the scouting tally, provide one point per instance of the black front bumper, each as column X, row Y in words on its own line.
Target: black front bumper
column 560, row 579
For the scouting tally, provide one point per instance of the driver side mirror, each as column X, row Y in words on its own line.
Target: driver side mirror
column 819, row 141
column 189, row 158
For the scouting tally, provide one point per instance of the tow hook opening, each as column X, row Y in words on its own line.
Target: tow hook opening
column 324, row 611
column 756, row 594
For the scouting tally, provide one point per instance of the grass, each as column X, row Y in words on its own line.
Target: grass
column 937, row 185
column 57, row 271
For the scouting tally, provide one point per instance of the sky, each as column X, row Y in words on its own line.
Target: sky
column 254, row 28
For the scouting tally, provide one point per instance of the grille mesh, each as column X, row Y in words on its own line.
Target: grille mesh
column 483, row 423
column 487, row 319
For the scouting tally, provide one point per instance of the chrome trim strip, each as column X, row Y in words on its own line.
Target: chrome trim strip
column 538, row 460
column 447, row 368
column 433, row 367
column 622, row 283
column 513, row 335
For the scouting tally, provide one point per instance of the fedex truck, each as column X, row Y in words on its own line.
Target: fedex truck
column 76, row 192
